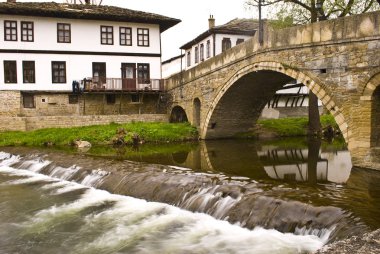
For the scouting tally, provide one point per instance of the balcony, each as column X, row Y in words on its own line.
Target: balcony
column 97, row 84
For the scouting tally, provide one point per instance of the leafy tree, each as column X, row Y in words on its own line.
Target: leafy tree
column 289, row 12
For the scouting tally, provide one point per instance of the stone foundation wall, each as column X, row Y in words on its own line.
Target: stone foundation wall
column 33, row 123
column 10, row 102
column 58, row 104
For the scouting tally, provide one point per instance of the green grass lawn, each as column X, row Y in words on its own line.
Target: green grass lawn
column 101, row 134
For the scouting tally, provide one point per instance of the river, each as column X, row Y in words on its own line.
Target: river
column 228, row 196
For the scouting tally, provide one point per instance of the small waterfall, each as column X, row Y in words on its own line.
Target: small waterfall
column 242, row 202
column 96, row 221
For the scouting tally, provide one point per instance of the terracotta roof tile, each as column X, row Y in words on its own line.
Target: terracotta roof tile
column 89, row 12
column 235, row 26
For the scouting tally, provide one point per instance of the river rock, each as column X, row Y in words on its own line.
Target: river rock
column 82, row 144
column 368, row 243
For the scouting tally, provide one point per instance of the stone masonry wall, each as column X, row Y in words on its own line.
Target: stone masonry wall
column 33, row 123
column 57, row 104
column 10, row 102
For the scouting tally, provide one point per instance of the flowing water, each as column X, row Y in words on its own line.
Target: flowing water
column 214, row 197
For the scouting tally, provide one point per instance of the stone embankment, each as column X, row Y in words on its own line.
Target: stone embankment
column 40, row 122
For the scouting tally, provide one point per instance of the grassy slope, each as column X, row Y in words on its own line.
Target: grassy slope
column 296, row 126
column 100, row 134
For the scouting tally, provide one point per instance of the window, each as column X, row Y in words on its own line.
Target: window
column 28, row 72
column 106, row 35
column 135, row 98
column 143, row 37
column 201, row 53
column 188, row 59
column 73, row 99
column 196, row 54
column 208, row 49
column 10, row 72
column 226, row 44
column 143, row 73
column 126, row 36
column 28, row 100
column 58, row 72
column 27, row 31
column 111, row 98
column 10, row 30
column 238, row 41
column 63, row 33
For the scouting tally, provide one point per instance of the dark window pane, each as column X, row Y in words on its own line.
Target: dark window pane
column 10, row 72
column 58, row 72
column 28, row 71
column 28, row 100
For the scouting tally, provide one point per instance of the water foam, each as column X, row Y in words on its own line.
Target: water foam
column 136, row 226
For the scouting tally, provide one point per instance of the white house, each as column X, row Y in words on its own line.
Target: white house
column 217, row 39
column 45, row 47
column 210, row 43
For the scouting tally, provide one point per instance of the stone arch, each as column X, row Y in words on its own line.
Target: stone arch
column 371, row 95
column 196, row 112
column 275, row 67
column 371, row 85
column 178, row 115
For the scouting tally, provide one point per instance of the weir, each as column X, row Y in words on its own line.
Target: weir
column 241, row 201
column 55, row 215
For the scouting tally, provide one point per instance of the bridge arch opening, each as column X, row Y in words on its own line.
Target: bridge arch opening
column 240, row 101
column 196, row 112
column 178, row 115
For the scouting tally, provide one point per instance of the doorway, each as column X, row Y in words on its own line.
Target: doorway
column 128, row 75
column 99, row 73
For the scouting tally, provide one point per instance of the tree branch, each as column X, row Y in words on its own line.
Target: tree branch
column 300, row 4
column 348, row 8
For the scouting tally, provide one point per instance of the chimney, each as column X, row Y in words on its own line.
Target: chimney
column 211, row 22
column 11, row 1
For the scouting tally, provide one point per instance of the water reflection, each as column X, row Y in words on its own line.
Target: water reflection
column 302, row 162
column 293, row 160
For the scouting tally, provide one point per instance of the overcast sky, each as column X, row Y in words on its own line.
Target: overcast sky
column 193, row 13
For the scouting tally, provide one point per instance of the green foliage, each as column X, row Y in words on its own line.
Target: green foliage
column 101, row 134
column 282, row 20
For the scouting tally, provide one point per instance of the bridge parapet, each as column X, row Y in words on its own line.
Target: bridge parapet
column 336, row 31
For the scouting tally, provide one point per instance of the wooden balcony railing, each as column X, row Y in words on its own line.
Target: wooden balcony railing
column 122, row 84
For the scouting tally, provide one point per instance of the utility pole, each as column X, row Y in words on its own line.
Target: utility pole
column 261, row 27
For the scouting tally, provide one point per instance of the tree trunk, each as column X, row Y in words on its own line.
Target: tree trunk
column 315, row 127
column 314, row 119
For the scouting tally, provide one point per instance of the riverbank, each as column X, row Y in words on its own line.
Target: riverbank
column 286, row 127
column 101, row 134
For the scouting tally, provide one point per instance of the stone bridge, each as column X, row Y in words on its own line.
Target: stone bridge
column 339, row 60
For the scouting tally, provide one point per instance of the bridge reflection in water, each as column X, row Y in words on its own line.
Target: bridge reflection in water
column 262, row 161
